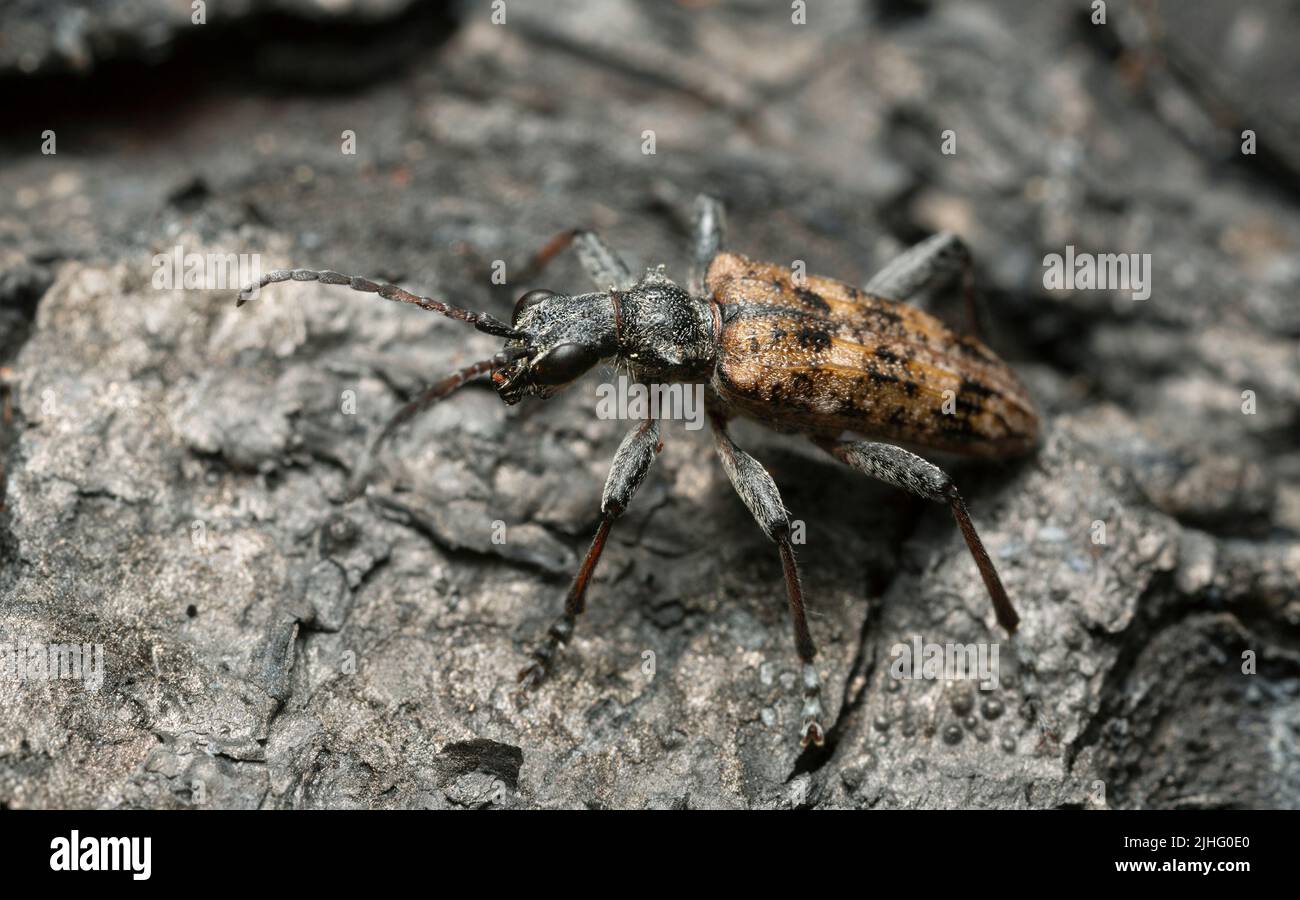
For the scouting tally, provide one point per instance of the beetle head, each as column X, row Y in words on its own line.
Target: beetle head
column 563, row 337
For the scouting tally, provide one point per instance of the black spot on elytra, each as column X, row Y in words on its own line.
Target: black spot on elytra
column 974, row 387
column 878, row 377
column 813, row 299
column 886, row 354
column 898, row 415
column 849, row 407
column 957, row 427
column 814, row 338
column 970, row 348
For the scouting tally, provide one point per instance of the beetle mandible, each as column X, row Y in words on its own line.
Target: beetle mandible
column 804, row 355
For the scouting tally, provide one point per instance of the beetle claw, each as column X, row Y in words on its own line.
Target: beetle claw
column 812, row 734
column 531, row 676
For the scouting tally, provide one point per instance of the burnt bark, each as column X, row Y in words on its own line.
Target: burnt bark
column 175, row 470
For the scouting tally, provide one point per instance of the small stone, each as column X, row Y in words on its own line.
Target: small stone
column 328, row 594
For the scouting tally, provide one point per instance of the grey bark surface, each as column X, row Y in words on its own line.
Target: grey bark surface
column 175, row 470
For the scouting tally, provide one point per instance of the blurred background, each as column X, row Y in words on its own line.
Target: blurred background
column 173, row 470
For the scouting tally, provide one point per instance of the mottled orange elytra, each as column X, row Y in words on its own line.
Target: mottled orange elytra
column 824, row 357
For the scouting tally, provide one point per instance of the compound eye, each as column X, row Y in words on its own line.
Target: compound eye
column 529, row 300
column 563, row 364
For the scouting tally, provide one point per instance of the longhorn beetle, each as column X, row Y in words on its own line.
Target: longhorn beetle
column 803, row 355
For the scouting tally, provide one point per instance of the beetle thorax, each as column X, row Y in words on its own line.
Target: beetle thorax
column 663, row 332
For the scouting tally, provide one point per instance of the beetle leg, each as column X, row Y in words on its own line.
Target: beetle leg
column 915, row 275
column 896, row 466
column 758, row 491
column 631, row 463
column 709, row 225
column 604, row 266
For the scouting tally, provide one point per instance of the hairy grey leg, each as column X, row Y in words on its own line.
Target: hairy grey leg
column 602, row 263
column 758, row 491
column 910, row 472
column 920, row 272
column 605, row 268
column 709, row 220
column 631, row 463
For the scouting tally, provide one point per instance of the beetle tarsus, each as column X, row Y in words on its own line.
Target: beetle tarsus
column 545, row 652
column 532, row 676
column 812, row 732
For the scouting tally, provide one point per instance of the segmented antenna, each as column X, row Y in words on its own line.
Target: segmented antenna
column 482, row 321
column 425, row 399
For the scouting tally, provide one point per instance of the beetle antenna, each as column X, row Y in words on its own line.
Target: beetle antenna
column 482, row 321
column 425, row 399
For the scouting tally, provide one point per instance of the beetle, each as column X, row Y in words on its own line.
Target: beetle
column 799, row 354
